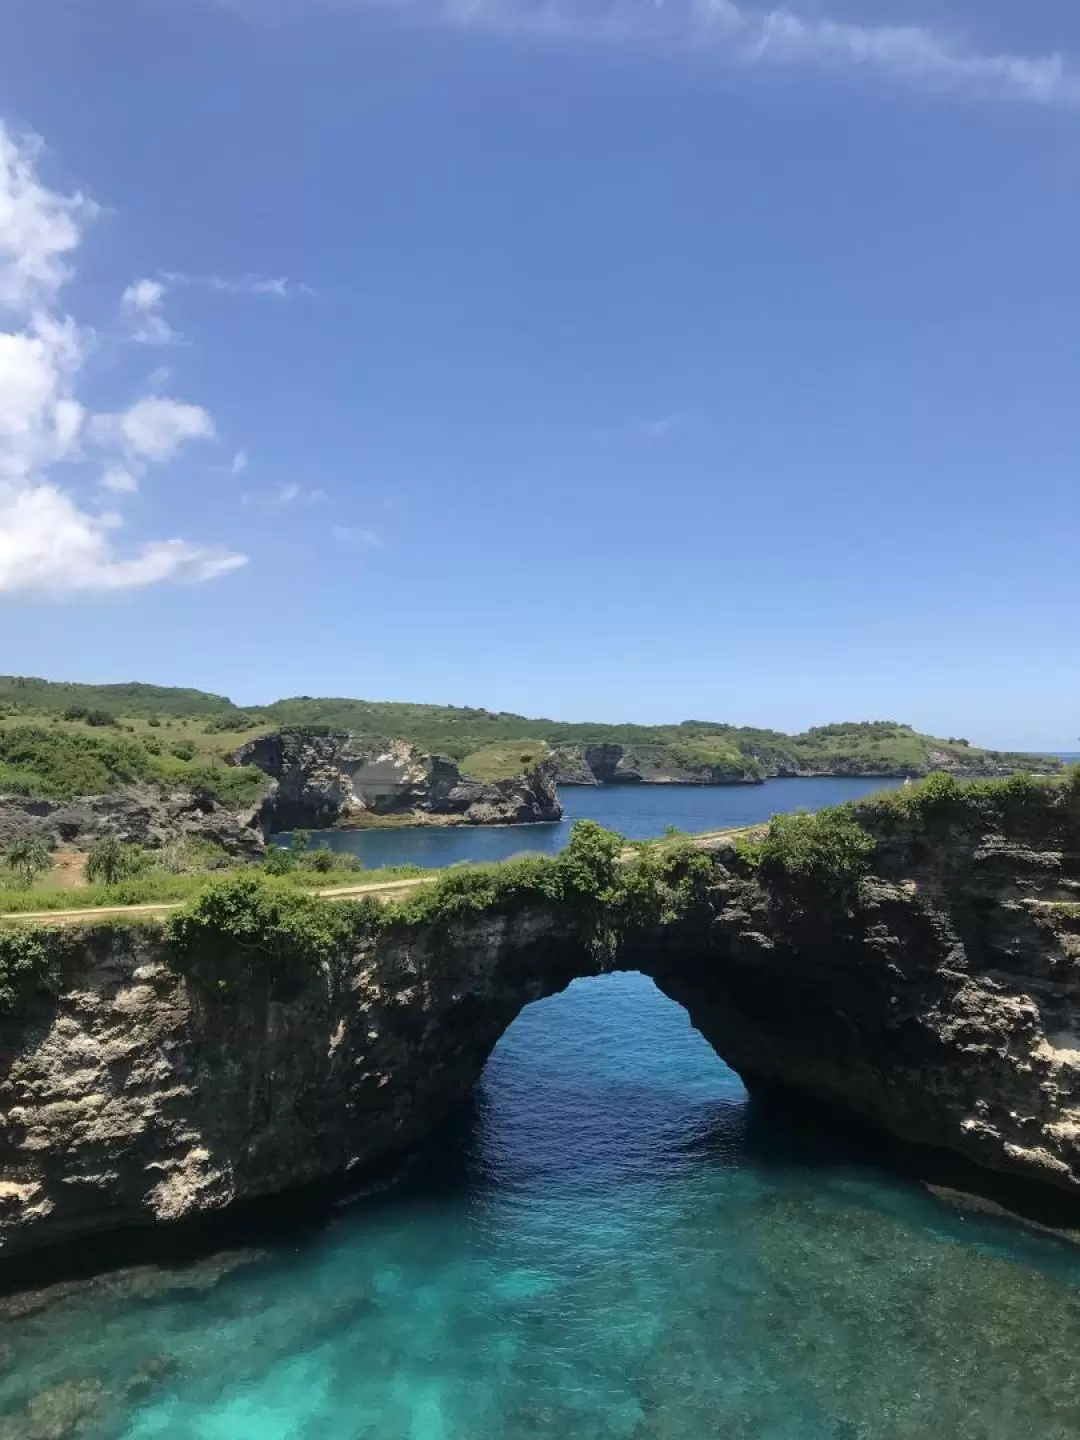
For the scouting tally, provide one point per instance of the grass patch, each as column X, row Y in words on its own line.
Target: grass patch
column 505, row 761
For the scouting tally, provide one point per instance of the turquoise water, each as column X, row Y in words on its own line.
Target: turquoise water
column 610, row 1243
column 636, row 811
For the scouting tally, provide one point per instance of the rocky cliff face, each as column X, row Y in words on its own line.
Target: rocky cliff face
column 140, row 816
column 133, row 1099
column 321, row 781
column 943, row 1005
column 941, row 1001
column 642, row 765
column 613, row 764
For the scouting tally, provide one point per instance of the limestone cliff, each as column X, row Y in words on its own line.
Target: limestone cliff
column 328, row 780
column 133, row 1098
column 939, row 999
column 686, row 764
column 611, row 764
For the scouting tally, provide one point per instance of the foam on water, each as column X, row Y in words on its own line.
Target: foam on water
column 611, row 1244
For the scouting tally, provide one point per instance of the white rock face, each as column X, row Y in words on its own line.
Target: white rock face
column 322, row 781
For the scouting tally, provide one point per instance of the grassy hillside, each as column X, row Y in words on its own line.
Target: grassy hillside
column 54, row 763
column 58, row 740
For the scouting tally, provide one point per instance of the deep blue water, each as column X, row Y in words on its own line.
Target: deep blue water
column 611, row 1243
column 636, row 811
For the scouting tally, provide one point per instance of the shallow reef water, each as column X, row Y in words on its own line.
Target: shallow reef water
column 611, row 1243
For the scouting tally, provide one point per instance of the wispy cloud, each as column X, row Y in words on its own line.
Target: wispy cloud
column 662, row 428
column 277, row 286
column 741, row 33
column 356, row 536
column 141, row 307
column 289, row 493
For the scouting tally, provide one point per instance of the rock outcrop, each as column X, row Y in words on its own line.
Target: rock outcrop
column 645, row 765
column 140, row 816
column 340, row 780
column 942, row 1004
column 939, row 1000
column 614, row 764
column 134, row 1099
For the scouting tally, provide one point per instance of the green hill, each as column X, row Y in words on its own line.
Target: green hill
column 59, row 739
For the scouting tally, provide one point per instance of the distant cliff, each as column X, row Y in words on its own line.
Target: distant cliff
column 342, row 780
column 610, row 764
column 835, row 750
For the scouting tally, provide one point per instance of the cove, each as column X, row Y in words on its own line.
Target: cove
column 639, row 812
column 610, row 1240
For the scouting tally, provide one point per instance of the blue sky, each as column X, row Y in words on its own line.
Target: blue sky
column 616, row 361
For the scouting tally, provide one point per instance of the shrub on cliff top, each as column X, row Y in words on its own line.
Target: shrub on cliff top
column 1015, row 803
column 585, row 874
column 802, row 854
column 661, row 883
column 248, row 928
column 24, row 963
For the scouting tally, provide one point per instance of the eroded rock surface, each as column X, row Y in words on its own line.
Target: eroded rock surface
column 320, row 781
column 140, row 816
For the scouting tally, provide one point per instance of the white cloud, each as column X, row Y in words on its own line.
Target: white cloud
column 38, row 227
column 40, row 419
column 239, row 462
column 49, row 540
column 743, row 33
column 120, row 481
column 356, row 535
column 155, row 428
column 49, row 544
column 141, row 304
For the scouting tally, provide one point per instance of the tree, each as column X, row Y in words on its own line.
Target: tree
column 29, row 857
column 109, row 861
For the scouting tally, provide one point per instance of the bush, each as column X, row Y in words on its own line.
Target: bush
column 182, row 749
column 109, row 860
column 24, row 963
column 250, row 930
column 28, row 857
column 802, row 854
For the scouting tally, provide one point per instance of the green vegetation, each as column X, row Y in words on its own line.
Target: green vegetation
column 1021, row 804
column 26, row 694
column 504, row 761
column 60, row 764
column 27, row 858
column 183, row 872
column 802, row 855
column 51, row 745
column 24, row 964
column 109, row 860
column 249, row 928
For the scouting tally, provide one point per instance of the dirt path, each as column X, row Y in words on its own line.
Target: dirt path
column 385, row 891
column 158, row 909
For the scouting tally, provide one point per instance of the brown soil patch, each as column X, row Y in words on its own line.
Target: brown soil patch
column 69, row 868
